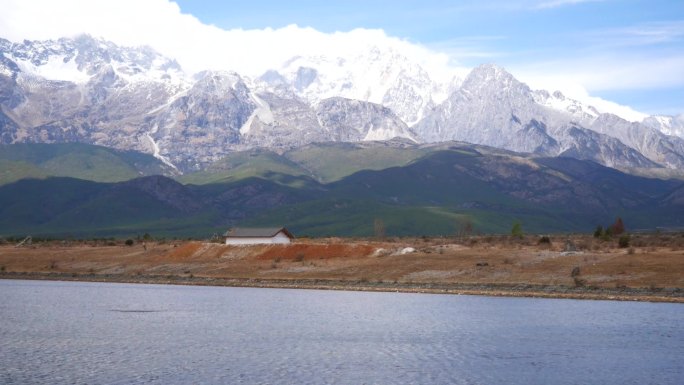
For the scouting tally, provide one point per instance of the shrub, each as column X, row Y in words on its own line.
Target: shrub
column 575, row 271
column 516, row 230
column 545, row 240
column 623, row 242
column 129, row 242
column 598, row 232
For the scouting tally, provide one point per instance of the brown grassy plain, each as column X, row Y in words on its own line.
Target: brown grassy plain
column 652, row 269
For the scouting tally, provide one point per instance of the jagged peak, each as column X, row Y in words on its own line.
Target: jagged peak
column 490, row 75
column 490, row 71
column 559, row 95
column 355, row 102
column 219, row 81
column 611, row 118
column 218, row 74
column 272, row 77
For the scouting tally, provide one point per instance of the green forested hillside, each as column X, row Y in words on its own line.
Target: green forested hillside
column 435, row 194
column 75, row 160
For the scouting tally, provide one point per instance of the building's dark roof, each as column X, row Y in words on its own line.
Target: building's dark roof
column 256, row 232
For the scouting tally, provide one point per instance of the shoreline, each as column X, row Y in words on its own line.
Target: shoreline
column 667, row 295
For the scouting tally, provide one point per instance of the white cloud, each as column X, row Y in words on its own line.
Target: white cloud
column 561, row 3
column 198, row 46
column 573, row 90
column 602, row 73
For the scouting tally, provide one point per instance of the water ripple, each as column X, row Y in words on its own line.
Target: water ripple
column 91, row 333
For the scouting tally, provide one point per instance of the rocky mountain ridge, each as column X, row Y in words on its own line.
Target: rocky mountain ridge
column 93, row 91
column 495, row 109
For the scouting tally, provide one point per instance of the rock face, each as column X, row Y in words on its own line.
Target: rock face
column 84, row 90
column 668, row 125
column 493, row 108
column 353, row 121
column 93, row 91
column 204, row 122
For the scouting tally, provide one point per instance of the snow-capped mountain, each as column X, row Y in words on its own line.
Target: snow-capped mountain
column 381, row 75
column 668, row 125
column 93, row 91
column 79, row 59
column 354, row 121
column 495, row 109
column 84, row 89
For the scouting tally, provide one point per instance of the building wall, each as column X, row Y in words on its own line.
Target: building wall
column 279, row 238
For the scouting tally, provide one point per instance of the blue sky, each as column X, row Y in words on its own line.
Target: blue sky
column 626, row 51
column 527, row 36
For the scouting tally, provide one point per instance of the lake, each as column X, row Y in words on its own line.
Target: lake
column 109, row 333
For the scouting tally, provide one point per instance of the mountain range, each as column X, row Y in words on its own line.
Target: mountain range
column 102, row 140
column 413, row 189
column 92, row 91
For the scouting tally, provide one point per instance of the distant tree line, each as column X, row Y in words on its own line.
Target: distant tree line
column 616, row 229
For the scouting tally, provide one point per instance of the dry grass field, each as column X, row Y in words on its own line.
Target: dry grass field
column 654, row 264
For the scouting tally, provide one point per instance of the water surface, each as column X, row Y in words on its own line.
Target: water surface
column 107, row 333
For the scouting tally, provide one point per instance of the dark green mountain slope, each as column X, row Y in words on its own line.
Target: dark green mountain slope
column 75, row 160
column 246, row 164
column 329, row 162
column 155, row 204
column 434, row 194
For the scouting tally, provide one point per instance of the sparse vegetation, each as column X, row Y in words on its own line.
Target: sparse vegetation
column 575, row 271
column 129, row 242
column 379, row 228
column 599, row 232
column 465, row 227
column 606, row 234
column 623, row 242
column 517, row 231
column 618, row 227
column 487, row 261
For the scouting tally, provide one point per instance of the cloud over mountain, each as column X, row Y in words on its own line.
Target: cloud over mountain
column 198, row 46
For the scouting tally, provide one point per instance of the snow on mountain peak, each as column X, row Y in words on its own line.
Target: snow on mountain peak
column 380, row 75
column 56, row 67
column 560, row 102
column 80, row 58
column 668, row 125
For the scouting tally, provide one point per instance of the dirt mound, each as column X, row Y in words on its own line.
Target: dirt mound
column 311, row 251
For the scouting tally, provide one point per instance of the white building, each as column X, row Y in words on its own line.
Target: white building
column 258, row 236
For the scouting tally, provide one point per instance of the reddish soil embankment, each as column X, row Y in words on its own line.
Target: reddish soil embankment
column 652, row 270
